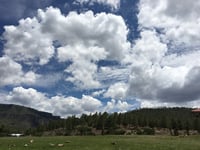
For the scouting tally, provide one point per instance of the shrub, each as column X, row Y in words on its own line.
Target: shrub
column 148, row 131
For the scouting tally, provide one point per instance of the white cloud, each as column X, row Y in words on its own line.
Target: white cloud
column 110, row 74
column 98, row 93
column 61, row 105
column 188, row 60
column 66, row 106
column 117, row 91
column 158, row 104
column 179, row 22
column 149, row 47
column 85, row 39
column 90, row 104
column 117, row 106
column 161, row 69
column 115, row 4
column 87, row 30
column 83, row 77
column 160, row 77
column 28, row 97
column 164, row 60
column 82, row 69
column 27, row 43
column 11, row 73
column 46, row 80
column 58, row 105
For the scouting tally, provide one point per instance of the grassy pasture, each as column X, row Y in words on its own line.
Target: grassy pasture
column 102, row 143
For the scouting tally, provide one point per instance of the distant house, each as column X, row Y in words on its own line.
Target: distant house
column 16, row 134
column 196, row 112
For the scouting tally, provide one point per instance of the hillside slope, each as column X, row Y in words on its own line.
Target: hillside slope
column 19, row 118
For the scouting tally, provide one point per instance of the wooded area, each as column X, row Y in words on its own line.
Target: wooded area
column 170, row 121
column 143, row 121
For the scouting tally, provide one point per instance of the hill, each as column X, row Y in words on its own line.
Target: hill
column 19, row 118
column 141, row 121
column 15, row 118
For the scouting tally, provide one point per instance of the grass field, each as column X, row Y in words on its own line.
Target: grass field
column 102, row 143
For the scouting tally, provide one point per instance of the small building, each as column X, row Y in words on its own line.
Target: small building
column 196, row 112
column 16, row 134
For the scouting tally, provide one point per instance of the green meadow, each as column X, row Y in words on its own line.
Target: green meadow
column 101, row 143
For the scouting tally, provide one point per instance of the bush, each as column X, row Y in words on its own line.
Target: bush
column 84, row 130
column 145, row 131
column 119, row 132
column 139, row 131
column 148, row 131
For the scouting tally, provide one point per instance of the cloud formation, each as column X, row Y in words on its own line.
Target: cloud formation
column 61, row 105
column 32, row 41
column 58, row 105
column 85, row 39
column 158, row 68
column 165, row 67
column 179, row 22
column 11, row 73
column 27, row 43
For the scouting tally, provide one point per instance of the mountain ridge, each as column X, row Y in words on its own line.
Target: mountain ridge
column 20, row 118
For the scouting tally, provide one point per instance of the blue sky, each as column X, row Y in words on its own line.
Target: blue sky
column 85, row 56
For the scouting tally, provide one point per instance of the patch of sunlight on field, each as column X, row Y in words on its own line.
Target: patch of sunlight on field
column 101, row 143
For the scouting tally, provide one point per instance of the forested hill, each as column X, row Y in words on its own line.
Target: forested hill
column 14, row 118
column 173, row 119
column 141, row 121
column 162, row 117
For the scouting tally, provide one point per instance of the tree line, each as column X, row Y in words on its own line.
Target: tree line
column 142, row 121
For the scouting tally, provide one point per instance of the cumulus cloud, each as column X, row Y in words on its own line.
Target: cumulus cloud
column 58, row 105
column 117, row 106
column 113, row 3
column 66, row 106
column 161, row 68
column 61, row 105
column 88, row 30
column 178, row 21
column 117, row 91
column 83, row 39
column 164, row 62
column 11, row 73
column 98, row 93
column 27, row 97
column 83, row 68
column 27, row 43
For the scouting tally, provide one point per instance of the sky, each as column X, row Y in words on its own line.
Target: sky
column 73, row 57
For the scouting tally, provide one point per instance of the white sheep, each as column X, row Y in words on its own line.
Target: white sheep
column 31, row 141
column 60, row 145
column 51, row 144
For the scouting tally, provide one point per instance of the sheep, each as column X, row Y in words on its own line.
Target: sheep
column 31, row 141
column 60, row 145
column 51, row 144
column 25, row 145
